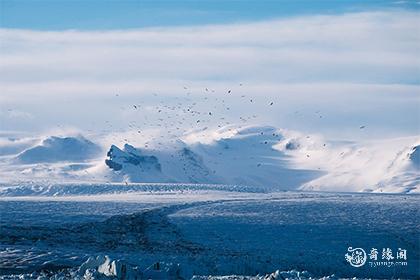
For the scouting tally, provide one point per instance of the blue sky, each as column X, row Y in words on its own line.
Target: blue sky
column 104, row 15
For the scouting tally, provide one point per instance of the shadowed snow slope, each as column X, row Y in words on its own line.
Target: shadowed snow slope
column 246, row 157
column 382, row 166
column 177, row 164
column 277, row 159
column 414, row 155
column 55, row 149
column 256, row 156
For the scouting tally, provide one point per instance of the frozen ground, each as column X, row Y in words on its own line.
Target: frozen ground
column 201, row 230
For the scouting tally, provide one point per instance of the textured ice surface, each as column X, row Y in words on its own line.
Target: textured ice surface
column 102, row 267
column 215, row 233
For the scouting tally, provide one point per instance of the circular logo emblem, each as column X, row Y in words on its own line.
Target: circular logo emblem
column 356, row 257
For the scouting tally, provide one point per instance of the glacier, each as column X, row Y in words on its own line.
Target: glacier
column 202, row 232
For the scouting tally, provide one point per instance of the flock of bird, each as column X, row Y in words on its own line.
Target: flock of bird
column 194, row 113
column 175, row 116
column 191, row 111
column 196, row 110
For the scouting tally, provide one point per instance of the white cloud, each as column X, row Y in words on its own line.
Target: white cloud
column 15, row 114
column 364, row 47
column 302, row 60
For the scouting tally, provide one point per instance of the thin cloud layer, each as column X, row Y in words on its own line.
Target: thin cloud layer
column 359, row 57
column 377, row 47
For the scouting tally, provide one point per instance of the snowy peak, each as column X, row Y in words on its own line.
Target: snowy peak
column 257, row 156
column 56, row 149
column 233, row 156
column 173, row 165
column 131, row 157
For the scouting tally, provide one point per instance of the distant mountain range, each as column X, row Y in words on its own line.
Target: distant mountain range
column 260, row 156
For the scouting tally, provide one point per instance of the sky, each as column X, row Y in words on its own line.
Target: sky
column 111, row 14
column 324, row 67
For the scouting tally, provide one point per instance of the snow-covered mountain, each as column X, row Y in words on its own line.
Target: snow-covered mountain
column 176, row 164
column 277, row 159
column 56, row 149
column 379, row 166
column 260, row 156
column 236, row 156
column 133, row 164
column 403, row 172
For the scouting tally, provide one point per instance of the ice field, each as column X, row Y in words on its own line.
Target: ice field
column 201, row 231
